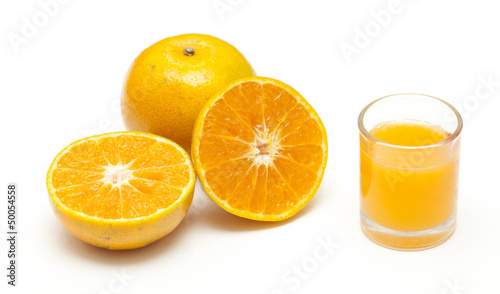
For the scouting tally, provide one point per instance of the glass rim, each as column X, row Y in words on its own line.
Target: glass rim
column 450, row 138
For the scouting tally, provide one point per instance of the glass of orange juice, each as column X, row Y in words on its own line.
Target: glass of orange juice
column 409, row 161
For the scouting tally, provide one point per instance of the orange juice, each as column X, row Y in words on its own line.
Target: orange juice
column 409, row 180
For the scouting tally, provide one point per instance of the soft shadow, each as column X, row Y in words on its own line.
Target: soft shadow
column 318, row 200
column 76, row 247
column 211, row 215
column 217, row 217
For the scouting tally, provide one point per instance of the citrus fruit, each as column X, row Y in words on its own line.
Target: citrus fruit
column 168, row 83
column 259, row 149
column 121, row 190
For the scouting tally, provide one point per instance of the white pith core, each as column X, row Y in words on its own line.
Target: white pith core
column 117, row 174
column 265, row 150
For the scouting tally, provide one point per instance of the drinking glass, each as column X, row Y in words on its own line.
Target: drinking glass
column 408, row 194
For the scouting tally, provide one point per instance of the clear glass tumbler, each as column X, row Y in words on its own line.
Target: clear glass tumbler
column 408, row 173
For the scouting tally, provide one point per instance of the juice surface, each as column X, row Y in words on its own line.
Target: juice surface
column 409, row 133
column 408, row 189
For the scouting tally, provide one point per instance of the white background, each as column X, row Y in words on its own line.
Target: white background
column 64, row 82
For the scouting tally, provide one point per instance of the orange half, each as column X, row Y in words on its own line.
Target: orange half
column 259, row 149
column 121, row 190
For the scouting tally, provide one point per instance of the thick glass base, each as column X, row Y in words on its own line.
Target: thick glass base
column 408, row 241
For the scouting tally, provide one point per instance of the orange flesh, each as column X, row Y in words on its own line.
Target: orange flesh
column 261, row 151
column 120, row 177
column 412, row 196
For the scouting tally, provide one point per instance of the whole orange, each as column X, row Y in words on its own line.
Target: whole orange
column 169, row 82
